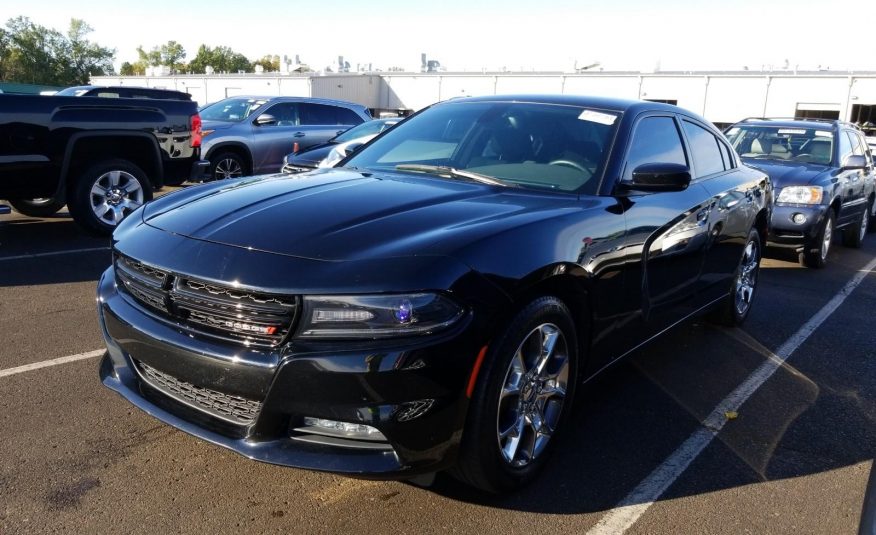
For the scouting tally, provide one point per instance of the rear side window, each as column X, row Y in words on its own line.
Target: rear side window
column 656, row 140
column 323, row 114
column 705, row 149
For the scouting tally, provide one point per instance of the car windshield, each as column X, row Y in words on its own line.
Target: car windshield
column 540, row 146
column 368, row 128
column 799, row 144
column 231, row 109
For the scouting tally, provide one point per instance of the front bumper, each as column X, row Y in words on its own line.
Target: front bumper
column 785, row 233
column 413, row 393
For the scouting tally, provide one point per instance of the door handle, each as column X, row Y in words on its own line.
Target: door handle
column 299, row 134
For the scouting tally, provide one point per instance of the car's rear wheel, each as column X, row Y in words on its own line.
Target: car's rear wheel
column 854, row 234
column 815, row 254
column 43, row 207
column 106, row 193
column 522, row 399
column 734, row 309
column 227, row 165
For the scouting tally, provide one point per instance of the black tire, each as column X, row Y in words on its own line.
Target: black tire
column 853, row 235
column 483, row 461
column 226, row 164
column 733, row 309
column 872, row 226
column 132, row 189
column 37, row 207
column 815, row 254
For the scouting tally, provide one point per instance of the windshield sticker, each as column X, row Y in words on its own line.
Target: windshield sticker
column 791, row 131
column 597, row 117
column 823, row 133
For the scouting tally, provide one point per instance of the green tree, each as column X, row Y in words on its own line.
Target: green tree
column 35, row 54
column 220, row 58
column 170, row 54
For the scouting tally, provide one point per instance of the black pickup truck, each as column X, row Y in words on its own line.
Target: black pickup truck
column 101, row 157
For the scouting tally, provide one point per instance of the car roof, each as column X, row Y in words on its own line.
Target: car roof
column 824, row 124
column 604, row 103
column 313, row 100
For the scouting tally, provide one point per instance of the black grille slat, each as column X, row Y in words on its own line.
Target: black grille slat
column 235, row 409
column 228, row 313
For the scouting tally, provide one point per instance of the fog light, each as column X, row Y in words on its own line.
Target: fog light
column 798, row 218
column 343, row 429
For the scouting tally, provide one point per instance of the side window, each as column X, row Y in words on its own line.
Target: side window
column 347, row 116
column 845, row 147
column 656, row 140
column 319, row 114
column 857, row 147
column 729, row 162
column 284, row 113
column 705, row 148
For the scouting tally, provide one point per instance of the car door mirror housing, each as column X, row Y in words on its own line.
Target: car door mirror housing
column 659, row 177
column 855, row 161
column 351, row 148
column 265, row 119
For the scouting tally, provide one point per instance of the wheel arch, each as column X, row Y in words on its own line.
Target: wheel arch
column 236, row 147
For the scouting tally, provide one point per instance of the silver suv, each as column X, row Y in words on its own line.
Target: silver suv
column 250, row 135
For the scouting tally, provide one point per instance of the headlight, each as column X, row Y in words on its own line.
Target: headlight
column 376, row 316
column 800, row 195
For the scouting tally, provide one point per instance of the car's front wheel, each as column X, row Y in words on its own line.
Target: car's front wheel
column 523, row 398
column 815, row 254
column 227, row 165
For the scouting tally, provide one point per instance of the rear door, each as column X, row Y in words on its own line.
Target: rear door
column 320, row 122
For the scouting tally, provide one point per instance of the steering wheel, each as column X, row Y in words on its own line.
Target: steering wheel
column 570, row 163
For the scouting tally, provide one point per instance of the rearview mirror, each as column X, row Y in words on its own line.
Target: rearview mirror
column 265, row 119
column 659, row 177
column 855, row 161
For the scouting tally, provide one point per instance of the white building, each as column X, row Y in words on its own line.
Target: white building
column 722, row 97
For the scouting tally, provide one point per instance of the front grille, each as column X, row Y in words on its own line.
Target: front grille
column 234, row 409
column 225, row 312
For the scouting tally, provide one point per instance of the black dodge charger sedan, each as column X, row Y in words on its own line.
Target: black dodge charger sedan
column 435, row 301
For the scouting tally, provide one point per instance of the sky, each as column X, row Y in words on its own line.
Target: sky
column 472, row 35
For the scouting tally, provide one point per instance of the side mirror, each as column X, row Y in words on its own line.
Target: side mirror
column 855, row 161
column 265, row 119
column 351, row 148
column 659, row 177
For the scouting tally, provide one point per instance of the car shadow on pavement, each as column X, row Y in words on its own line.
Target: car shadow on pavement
column 49, row 251
column 817, row 412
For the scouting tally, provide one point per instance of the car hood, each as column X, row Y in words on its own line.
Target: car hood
column 340, row 214
column 216, row 125
column 788, row 173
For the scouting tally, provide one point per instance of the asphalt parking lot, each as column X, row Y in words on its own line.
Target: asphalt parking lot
column 795, row 458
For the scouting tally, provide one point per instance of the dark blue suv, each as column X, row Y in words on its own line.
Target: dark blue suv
column 822, row 171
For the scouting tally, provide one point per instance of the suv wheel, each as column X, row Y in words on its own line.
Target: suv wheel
column 227, row 165
column 853, row 235
column 106, row 193
column 522, row 400
column 42, row 207
column 815, row 253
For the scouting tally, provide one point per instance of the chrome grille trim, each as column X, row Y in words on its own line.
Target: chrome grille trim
column 233, row 409
column 230, row 314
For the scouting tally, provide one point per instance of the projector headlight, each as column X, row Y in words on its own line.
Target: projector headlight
column 800, row 195
column 376, row 316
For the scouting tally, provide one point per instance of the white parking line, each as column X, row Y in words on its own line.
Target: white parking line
column 54, row 362
column 626, row 513
column 53, row 253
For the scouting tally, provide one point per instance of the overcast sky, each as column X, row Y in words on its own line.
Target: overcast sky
column 471, row 34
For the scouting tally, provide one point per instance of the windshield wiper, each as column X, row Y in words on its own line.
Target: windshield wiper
column 444, row 170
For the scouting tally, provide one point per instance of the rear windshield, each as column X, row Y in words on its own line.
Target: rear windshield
column 231, row 109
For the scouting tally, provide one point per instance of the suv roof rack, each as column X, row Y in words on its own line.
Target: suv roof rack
column 803, row 119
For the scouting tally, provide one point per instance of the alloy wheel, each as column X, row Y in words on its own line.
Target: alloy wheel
column 227, row 168
column 533, row 394
column 865, row 222
column 114, row 195
column 828, row 235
